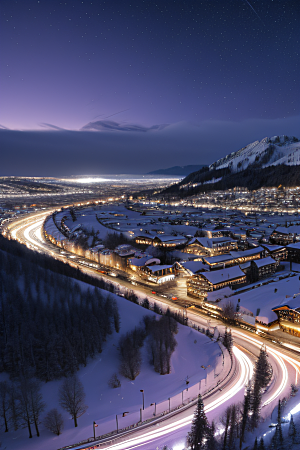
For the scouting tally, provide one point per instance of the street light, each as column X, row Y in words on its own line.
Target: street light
column 142, row 391
column 151, row 404
column 94, row 429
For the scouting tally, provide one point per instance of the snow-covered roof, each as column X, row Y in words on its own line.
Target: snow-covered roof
column 155, row 268
column 266, row 297
column 294, row 229
column 272, row 248
column 296, row 245
column 208, row 242
column 140, row 262
column 168, row 238
column 218, row 258
column 219, row 294
column 245, row 253
column 219, row 276
column 193, row 266
column 264, row 262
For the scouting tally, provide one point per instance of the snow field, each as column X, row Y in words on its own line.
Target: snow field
column 104, row 403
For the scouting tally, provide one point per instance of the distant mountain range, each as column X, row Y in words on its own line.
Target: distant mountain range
column 177, row 170
column 270, row 162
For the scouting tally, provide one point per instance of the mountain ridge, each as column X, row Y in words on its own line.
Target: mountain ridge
column 269, row 162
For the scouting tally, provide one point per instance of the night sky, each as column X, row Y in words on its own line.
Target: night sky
column 107, row 83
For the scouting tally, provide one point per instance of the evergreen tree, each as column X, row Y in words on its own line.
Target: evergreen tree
column 292, row 431
column 245, row 414
column 255, row 446
column 200, row 430
column 262, row 376
column 277, row 439
column 211, row 443
column 261, row 444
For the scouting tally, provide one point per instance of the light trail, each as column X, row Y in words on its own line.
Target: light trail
column 31, row 228
column 246, row 369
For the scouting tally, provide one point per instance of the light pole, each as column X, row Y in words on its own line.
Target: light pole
column 151, row 404
column 142, row 391
column 117, row 423
column 94, row 429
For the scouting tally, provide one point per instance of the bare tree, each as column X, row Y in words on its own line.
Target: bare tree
column 72, row 397
column 114, row 381
column 37, row 406
column 4, row 402
column 229, row 312
column 54, row 422
column 24, row 403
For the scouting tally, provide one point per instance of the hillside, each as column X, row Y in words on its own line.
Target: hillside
column 270, row 162
column 177, row 170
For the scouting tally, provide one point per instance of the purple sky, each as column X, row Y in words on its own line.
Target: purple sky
column 145, row 76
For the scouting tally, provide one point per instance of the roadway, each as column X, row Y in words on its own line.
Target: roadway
column 285, row 362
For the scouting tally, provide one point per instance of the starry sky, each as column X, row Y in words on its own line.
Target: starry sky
column 183, row 82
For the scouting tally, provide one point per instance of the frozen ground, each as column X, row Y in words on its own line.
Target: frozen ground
column 193, row 350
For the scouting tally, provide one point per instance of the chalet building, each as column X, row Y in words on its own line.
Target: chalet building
column 233, row 258
column 169, row 241
column 294, row 252
column 289, row 316
column 202, row 283
column 189, row 268
column 277, row 252
column 211, row 246
column 159, row 273
column 263, row 268
column 144, row 239
column 162, row 240
column 285, row 235
column 211, row 232
column 137, row 264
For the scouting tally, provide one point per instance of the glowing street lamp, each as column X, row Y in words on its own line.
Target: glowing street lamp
column 94, row 429
column 142, row 391
column 151, row 404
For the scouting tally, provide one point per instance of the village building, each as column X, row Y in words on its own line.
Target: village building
column 289, row 316
column 233, row 258
column 277, row 252
column 159, row 273
column 202, row 283
column 285, row 235
column 294, row 252
column 137, row 264
column 263, row 268
column 211, row 246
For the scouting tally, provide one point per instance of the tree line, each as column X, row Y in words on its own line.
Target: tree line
column 161, row 343
column 46, row 321
column 22, row 405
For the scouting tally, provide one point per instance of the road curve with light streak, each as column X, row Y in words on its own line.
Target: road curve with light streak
column 285, row 363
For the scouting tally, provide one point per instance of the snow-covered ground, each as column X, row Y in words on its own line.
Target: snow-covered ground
column 194, row 349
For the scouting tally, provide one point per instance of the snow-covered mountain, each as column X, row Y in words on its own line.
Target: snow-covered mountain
column 269, row 151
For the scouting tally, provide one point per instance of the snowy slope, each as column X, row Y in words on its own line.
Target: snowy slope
column 267, row 152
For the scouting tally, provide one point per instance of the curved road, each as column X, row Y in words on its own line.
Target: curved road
column 285, row 363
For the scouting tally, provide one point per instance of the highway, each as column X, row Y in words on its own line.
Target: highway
column 285, row 362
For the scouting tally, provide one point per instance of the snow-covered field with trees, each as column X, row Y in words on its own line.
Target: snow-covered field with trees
column 103, row 402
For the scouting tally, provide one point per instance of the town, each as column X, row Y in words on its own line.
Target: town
column 233, row 260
